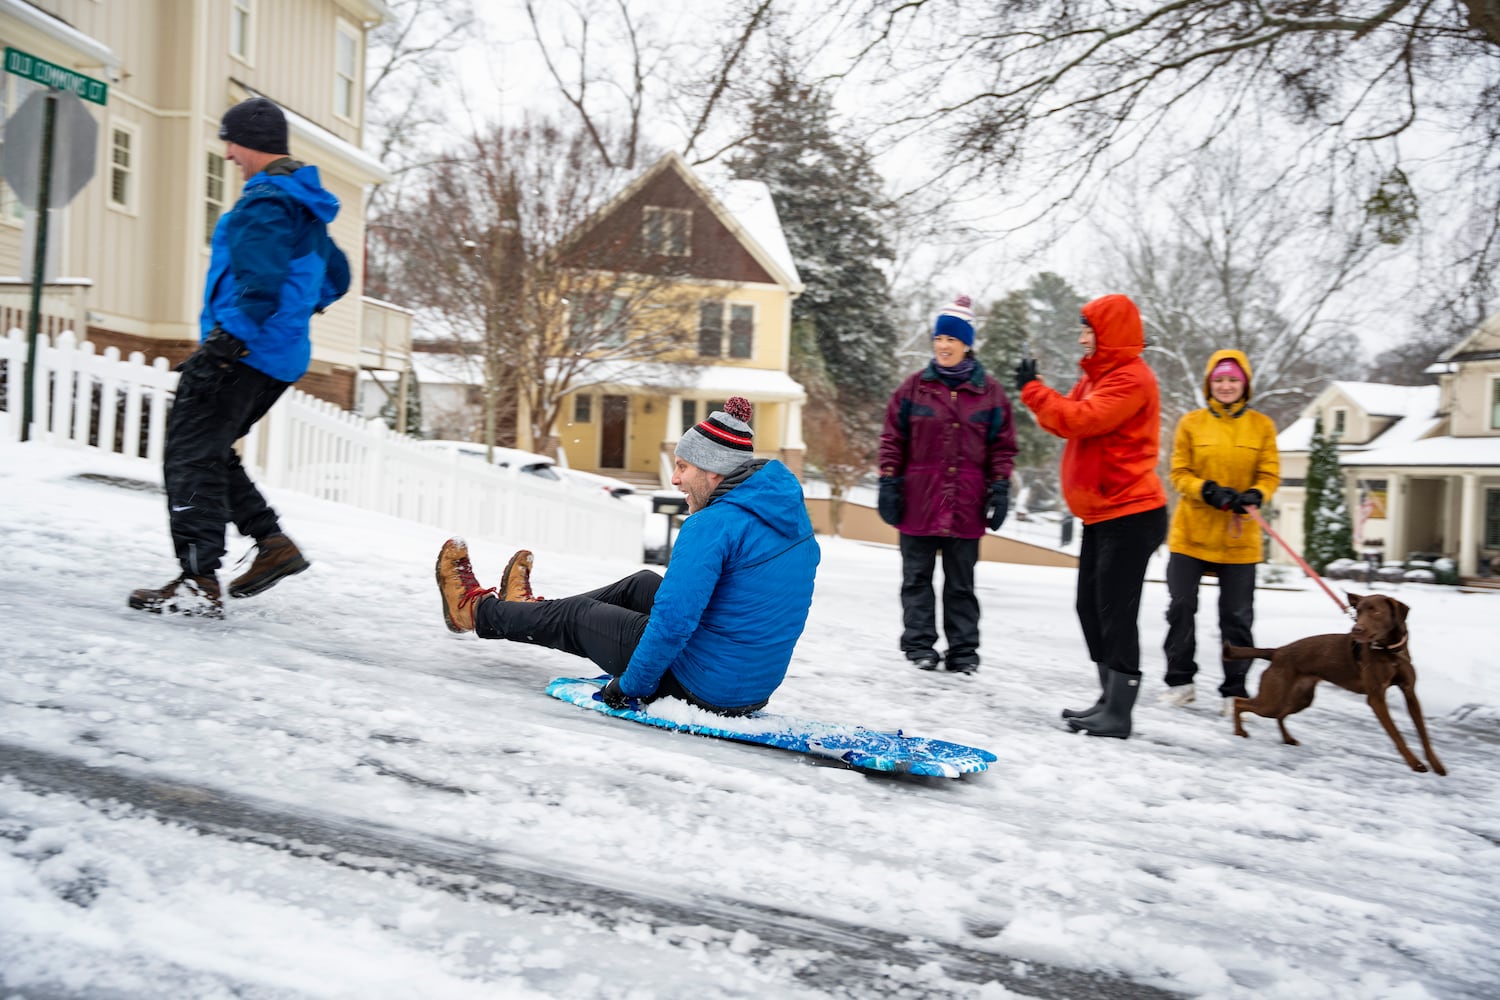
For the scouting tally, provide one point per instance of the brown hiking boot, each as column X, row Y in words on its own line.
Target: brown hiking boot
column 276, row 557
column 186, row 595
column 515, row 585
column 461, row 593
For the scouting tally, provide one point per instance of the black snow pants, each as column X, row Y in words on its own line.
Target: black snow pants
column 960, row 606
column 217, row 403
column 604, row 625
column 1111, row 572
column 1236, row 617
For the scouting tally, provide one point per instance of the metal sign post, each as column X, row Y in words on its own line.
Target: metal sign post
column 38, row 263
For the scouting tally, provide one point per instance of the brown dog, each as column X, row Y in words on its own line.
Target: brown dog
column 1368, row 660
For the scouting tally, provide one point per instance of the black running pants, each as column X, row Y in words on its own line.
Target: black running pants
column 217, row 403
column 1111, row 572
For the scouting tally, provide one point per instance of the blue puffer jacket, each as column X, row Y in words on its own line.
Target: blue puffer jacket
column 735, row 598
column 272, row 265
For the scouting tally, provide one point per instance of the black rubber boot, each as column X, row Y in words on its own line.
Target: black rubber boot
column 1114, row 719
column 1078, row 713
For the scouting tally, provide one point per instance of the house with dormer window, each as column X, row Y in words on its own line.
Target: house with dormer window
column 1421, row 463
column 716, row 253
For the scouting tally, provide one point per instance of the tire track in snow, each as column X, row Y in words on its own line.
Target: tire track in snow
column 844, row 958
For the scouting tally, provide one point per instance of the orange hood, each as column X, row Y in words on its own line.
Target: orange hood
column 1118, row 334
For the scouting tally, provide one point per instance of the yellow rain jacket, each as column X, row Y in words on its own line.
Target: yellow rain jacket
column 1234, row 446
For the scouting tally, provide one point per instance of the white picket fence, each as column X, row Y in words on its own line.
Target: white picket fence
column 83, row 399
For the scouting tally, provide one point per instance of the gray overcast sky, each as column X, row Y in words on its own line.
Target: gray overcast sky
column 501, row 73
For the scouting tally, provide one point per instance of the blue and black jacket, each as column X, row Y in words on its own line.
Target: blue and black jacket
column 272, row 266
column 735, row 598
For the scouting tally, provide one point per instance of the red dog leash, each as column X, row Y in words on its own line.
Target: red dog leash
column 1345, row 608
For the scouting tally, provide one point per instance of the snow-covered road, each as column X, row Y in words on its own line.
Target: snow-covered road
column 328, row 795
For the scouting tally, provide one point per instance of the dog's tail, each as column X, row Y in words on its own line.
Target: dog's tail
column 1246, row 653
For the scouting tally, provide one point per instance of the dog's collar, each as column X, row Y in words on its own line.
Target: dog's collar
column 1393, row 647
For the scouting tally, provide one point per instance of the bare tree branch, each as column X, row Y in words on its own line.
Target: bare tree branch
column 725, row 70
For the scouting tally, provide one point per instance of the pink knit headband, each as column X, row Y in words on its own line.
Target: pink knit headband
column 1228, row 366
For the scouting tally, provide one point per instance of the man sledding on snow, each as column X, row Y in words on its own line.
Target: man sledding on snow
column 718, row 629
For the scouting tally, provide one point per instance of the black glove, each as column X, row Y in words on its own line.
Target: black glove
column 1025, row 372
column 612, row 696
column 1249, row 498
column 215, row 356
column 1220, row 497
column 890, row 505
column 221, row 345
column 997, row 504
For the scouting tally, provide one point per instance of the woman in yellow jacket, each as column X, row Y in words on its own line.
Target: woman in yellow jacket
column 1224, row 463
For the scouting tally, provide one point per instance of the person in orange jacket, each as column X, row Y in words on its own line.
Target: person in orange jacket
column 1224, row 463
column 1111, row 420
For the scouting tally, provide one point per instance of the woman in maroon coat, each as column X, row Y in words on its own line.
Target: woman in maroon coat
column 945, row 459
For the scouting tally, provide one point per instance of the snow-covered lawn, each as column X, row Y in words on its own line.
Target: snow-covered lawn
column 1183, row 859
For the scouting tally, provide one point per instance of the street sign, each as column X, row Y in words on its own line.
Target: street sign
column 75, row 148
column 31, row 135
column 52, row 75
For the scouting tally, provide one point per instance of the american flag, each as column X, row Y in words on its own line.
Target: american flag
column 1368, row 506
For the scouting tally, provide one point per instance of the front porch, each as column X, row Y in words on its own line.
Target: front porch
column 1450, row 511
column 629, row 427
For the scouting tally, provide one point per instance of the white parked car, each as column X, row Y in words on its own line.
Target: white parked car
column 595, row 481
column 528, row 462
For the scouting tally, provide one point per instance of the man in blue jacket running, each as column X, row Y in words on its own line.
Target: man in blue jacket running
column 271, row 266
column 718, row 629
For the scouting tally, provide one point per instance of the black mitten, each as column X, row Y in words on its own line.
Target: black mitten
column 612, row 696
column 1220, row 497
column 221, row 345
column 1025, row 372
column 1249, row 498
column 997, row 504
column 890, row 505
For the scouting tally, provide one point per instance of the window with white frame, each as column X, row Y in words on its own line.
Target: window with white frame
column 124, row 166
column 215, row 194
column 1495, row 404
column 583, row 408
column 241, row 23
column 346, row 52
column 1492, row 519
column 667, row 232
column 1340, row 419
column 725, row 329
column 13, row 93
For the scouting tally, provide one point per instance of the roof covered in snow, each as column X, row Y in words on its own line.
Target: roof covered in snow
column 432, row 368
column 1479, row 452
column 1296, row 436
column 1381, row 400
column 752, row 206
column 1413, row 406
column 710, row 381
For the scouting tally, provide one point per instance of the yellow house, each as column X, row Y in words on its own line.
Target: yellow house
column 732, row 274
column 132, row 248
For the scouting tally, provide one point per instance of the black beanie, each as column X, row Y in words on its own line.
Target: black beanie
column 256, row 124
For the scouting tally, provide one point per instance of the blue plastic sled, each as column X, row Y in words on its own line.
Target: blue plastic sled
column 856, row 746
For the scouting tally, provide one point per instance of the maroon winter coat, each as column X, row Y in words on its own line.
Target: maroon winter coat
column 948, row 445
